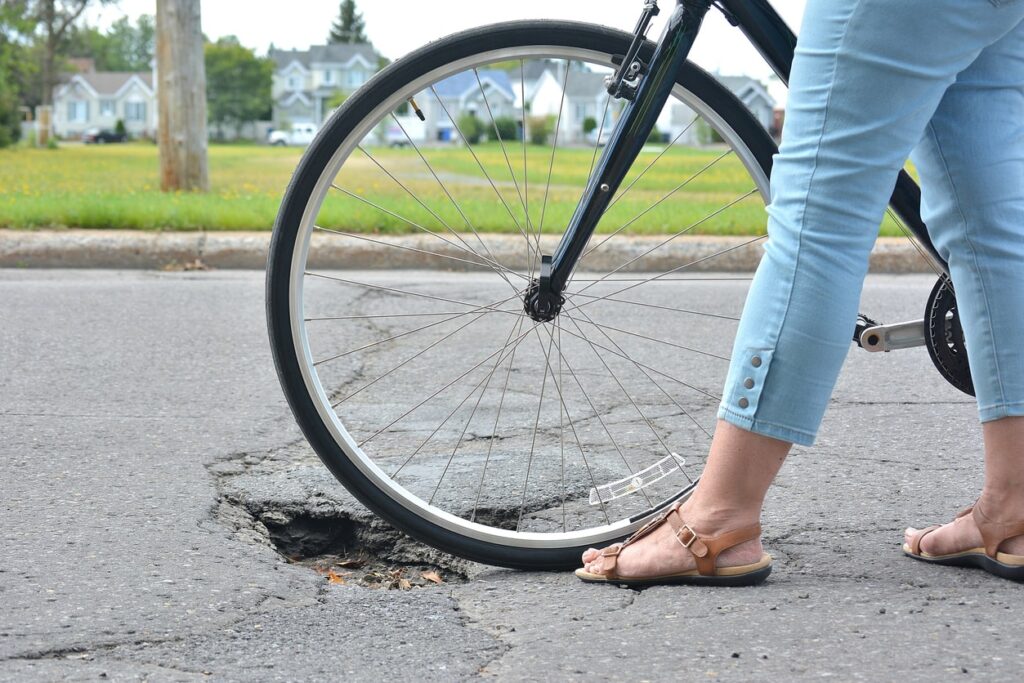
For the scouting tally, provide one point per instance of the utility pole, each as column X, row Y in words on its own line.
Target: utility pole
column 181, row 94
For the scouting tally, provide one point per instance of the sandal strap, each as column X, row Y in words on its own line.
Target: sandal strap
column 706, row 549
column 915, row 540
column 993, row 533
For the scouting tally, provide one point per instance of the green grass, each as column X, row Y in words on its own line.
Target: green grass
column 117, row 186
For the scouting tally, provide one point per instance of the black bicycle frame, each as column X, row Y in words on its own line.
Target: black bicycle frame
column 776, row 43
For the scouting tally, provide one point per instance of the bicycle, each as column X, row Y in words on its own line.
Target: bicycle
column 530, row 405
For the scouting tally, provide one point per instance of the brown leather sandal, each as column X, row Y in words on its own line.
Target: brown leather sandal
column 705, row 549
column 993, row 534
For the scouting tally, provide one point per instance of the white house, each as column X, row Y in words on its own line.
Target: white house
column 98, row 99
column 585, row 98
column 677, row 119
column 463, row 94
column 306, row 81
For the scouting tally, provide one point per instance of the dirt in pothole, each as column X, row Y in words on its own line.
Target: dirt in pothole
column 373, row 572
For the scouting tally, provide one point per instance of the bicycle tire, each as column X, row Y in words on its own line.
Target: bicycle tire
column 285, row 241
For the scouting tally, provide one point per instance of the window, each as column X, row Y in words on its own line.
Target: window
column 108, row 107
column 355, row 78
column 135, row 111
column 328, row 77
column 293, row 83
column 78, row 111
column 581, row 112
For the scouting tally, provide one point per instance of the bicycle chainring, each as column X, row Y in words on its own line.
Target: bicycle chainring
column 944, row 337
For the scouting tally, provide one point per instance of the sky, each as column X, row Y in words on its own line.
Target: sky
column 398, row 26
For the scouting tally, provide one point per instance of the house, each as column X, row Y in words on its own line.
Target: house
column 464, row 94
column 308, row 82
column 676, row 122
column 585, row 98
column 99, row 99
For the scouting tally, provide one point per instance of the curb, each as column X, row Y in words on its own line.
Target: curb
column 137, row 249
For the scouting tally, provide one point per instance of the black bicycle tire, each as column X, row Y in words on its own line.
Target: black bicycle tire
column 356, row 108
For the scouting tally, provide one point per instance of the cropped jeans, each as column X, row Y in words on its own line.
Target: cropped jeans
column 873, row 83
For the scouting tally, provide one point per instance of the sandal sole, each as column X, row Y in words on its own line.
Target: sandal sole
column 748, row 578
column 1012, row 572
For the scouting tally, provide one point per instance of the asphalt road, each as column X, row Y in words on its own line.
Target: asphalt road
column 148, row 461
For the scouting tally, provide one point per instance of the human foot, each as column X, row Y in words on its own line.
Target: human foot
column 682, row 547
column 974, row 538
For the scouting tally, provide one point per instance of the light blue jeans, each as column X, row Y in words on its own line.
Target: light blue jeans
column 873, row 83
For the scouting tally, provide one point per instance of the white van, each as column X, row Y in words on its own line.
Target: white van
column 300, row 134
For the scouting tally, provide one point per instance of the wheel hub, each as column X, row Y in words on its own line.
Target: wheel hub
column 540, row 301
column 945, row 337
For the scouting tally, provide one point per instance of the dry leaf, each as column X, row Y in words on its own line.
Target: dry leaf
column 404, row 584
column 350, row 564
column 432, row 576
column 334, row 577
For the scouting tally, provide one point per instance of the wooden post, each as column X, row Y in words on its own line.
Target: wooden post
column 181, row 95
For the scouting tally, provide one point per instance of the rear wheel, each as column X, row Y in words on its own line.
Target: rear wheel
column 423, row 384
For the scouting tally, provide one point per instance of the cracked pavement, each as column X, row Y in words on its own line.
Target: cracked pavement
column 148, row 458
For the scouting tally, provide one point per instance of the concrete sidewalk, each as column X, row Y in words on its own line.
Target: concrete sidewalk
column 135, row 249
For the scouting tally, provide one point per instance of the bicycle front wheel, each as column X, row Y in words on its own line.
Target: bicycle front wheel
column 423, row 384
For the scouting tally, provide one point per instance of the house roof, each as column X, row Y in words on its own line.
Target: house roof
column 339, row 53
column 464, row 82
column 109, row 82
column 584, row 84
column 739, row 84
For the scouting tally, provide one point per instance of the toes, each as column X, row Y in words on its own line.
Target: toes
column 589, row 554
column 908, row 534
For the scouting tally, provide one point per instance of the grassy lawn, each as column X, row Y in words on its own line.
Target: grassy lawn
column 117, row 186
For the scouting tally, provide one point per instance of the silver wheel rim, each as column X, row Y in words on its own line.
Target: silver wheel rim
column 417, row 505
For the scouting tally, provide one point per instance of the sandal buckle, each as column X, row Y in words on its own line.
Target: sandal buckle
column 693, row 536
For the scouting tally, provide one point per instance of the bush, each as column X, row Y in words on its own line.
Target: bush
column 655, row 137
column 541, row 128
column 471, row 127
column 508, row 128
column 120, row 129
column 589, row 125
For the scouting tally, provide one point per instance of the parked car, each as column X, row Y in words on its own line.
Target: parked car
column 101, row 136
column 299, row 134
column 396, row 132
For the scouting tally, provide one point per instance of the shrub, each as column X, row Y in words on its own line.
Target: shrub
column 471, row 127
column 541, row 128
column 589, row 125
column 508, row 128
column 120, row 128
column 655, row 136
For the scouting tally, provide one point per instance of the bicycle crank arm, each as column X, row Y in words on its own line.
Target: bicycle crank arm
column 893, row 337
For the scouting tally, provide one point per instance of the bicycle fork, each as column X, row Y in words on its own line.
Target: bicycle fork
column 647, row 88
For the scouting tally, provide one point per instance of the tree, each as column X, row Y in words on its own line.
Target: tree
column 53, row 18
column 349, row 27
column 471, row 127
column 181, row 95
column 15, row 68
column 238, row 84
column 124, row 47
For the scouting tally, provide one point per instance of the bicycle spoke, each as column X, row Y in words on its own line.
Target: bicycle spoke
column 629, row 187
column 570, row 296
column 572, row 427
column 409, row 359
column 410, row 332
column 684, row 231
column 659, row 341
column 476, row 406
column 406, row 292
column 600, row 420
column 479, row 163
column 554, row 147
column 646, row 374
column 629, row 397
column 495, row 266
column 434, row 395
column 561, row 424
column 526, row 172
column 661, row 201
column 667, row 272
column 418, row 251
column 451, row 198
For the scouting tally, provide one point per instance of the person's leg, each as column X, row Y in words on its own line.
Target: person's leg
column 971, row 162
column 867, row 77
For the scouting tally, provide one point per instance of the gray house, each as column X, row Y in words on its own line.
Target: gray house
column 98, row 99
column 306, row 81
column 462, row 94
